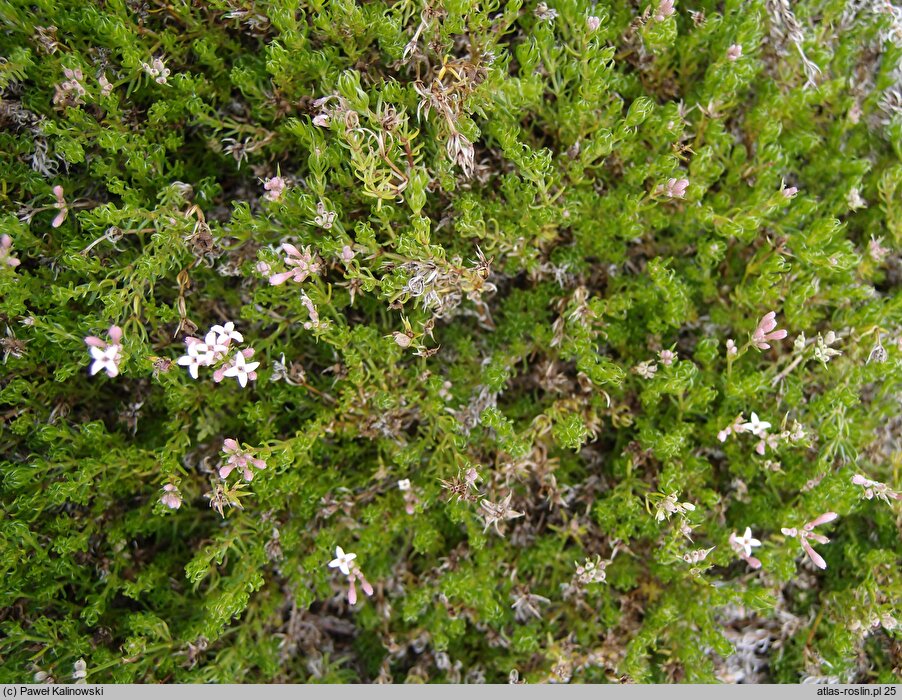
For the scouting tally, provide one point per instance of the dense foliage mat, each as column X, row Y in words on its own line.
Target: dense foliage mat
column 455, row 341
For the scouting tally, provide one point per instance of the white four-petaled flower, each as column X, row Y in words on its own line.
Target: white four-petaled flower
column 746, row 542
column 756, row 426
column 342, row 561
column 241, row 370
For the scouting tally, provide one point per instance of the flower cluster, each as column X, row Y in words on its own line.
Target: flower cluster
column 106, row 354
column 70, row 91
column 213, row 351
column 345, row 563
column 275, row 187
column 875, row 489
column 806, row 533
column 239, row 458
column 765, row 331
column 157, row 70
column 301, row 265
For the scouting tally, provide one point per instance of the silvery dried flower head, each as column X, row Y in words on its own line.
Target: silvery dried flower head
column 765, row 331
column 734, row 52
column 157, row 70
column 460, row 151
column 171, row 497
column 526, row 605
column 106, row 355
column 324, row 218
column 494, row 513
column 878, row 353
column 805, row 533
column 875, row 489
column 6, row 257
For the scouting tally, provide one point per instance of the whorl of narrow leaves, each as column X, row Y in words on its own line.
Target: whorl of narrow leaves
column 453, row 341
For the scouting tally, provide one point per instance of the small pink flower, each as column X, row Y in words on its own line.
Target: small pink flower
column 732, row 350
column 877, row 252
column 765, row 331
column 789, row 192
column 593, row 23
column 667, row 357
column 734, row 52
column 6, row 258
column 274, row 187
column 171, row 497
column 665, row 9
column 238, row 458
column 61, row 205
column 347, row 254
column 301, row 264
column 321, row 120
column 674, row 188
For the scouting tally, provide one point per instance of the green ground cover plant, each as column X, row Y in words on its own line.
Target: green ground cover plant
column 452, row 341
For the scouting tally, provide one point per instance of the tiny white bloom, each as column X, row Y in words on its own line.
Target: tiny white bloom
column 756, row 426
column 241, row 369
column 192, row 362
column 81, row 669
column 226, row 333
column 106, row 359
column 746, row 542
column 342, row 561
column 404, row 484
